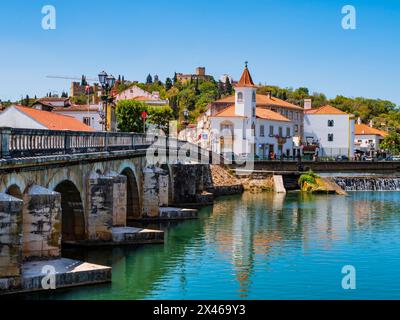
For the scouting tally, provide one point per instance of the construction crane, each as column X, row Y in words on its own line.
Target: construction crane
column 70, row 78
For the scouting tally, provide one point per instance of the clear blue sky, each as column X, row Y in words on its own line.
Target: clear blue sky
column 289, row 43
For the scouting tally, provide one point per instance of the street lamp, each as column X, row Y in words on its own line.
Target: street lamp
column 107, row 83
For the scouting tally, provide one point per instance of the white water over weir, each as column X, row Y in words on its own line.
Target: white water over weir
column 371, row 183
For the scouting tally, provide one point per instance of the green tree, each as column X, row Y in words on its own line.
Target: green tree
column 168, row 84
column 228, row 87
column 392, row 143
column 129, row 115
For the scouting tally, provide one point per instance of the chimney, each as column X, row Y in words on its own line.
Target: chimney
column 269, row 94
column 371, row 124
column 359, row 120
column 307, row 104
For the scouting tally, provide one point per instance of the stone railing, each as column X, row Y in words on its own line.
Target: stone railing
column 22, row 143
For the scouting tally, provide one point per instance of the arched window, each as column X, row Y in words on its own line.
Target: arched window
column 254, row 96
column 240, row 97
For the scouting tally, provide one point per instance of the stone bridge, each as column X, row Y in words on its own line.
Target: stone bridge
column 81, row 188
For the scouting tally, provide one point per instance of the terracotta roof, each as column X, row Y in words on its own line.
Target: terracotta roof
column 261, row 113
column 54, row 121
column 325, row 110
column 245, row 79
column 263, row 100
column 270, row 115
column 143, row 98
column 76, row 108
column 228, row 112
column 363, row 129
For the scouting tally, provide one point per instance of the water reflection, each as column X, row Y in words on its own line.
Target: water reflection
column 261, row 246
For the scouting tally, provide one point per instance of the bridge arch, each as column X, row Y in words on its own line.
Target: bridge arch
column 73, row 217
column 133, row 206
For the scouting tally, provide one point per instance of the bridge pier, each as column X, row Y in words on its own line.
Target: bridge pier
column 41, row 223
column 11, row 236
column 155, row 191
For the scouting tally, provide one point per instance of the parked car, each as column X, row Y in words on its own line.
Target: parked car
column 342, row 158
column 368, row 158
column 393, row 158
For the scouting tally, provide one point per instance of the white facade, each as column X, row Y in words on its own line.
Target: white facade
column 13, row 118
column 267, row 134
column 333, row 132
column 367, row 142
column 88, row 115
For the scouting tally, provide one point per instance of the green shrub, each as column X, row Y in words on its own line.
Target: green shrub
column 309, row 177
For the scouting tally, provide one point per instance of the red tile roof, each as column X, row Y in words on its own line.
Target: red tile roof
column 270, row 115
column 325, row 110
column 363, row 129
column 229, row 112
column 54, row 121
column 263, row 100
column 76, row 108
column 245, row 79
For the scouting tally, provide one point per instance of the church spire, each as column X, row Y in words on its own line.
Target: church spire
column 245, row 80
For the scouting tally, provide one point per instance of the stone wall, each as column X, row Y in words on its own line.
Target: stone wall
column 10, row 236
column 190, row 182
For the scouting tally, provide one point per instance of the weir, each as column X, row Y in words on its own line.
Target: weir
column 370, row 183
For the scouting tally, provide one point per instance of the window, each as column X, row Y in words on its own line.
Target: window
column 261, row 131
column 330, row 137
column 254, row 96
column 253, row 129
column 286, row 113
column 296, row 128
column 254, row 111
column 86, row 120
column 280, row 131
column 331, row 123
column 271, row 130
column 240, row 97
column 297, row 116
column 287, row 132
column 291, row 115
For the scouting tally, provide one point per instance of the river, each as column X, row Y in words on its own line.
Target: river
column 261, row 246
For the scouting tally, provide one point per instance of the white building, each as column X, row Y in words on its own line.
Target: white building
column 87, row 114
column 136, row 93
column 244, row 129
column 368, row 139
column 331, row 129
column 29, row 118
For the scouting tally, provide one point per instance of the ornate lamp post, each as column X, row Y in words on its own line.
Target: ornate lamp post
column 107, row 83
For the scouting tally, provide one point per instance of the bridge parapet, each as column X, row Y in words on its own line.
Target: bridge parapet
column 24, row 143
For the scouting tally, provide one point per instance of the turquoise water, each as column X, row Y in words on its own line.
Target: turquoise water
column 263, row 246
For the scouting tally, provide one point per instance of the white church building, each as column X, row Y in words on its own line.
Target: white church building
column 246, row 130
